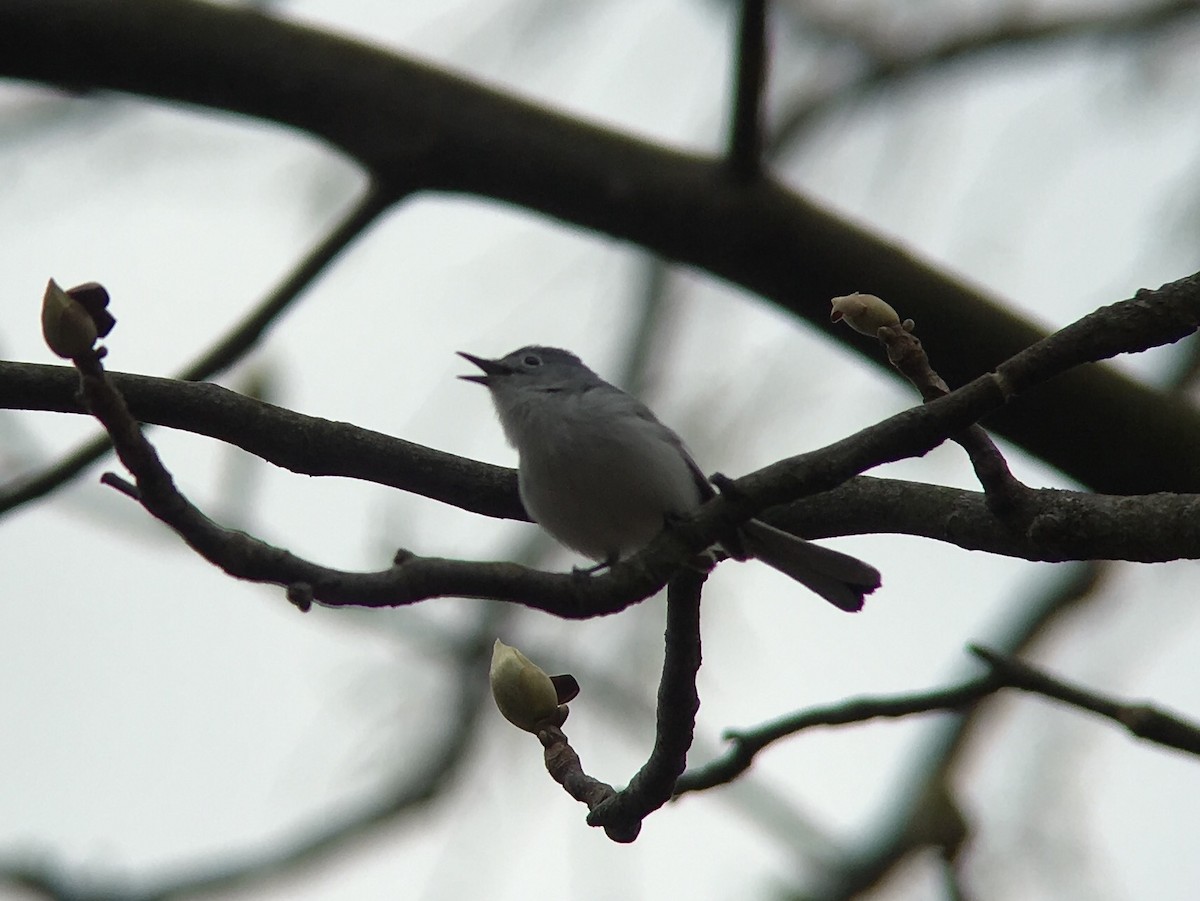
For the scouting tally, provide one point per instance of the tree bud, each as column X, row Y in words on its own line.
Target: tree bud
column 525, row 695
column 67, row 327
column 865, row 313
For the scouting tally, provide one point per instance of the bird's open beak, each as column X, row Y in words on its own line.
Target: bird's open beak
column 489, row 367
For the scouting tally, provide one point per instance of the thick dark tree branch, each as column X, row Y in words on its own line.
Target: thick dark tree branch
column 1050, row 524
column 227, row 351
column 452, row 135
column 303, row 444
column 1047, row 525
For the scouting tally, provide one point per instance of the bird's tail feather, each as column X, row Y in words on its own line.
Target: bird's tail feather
column 838, row 578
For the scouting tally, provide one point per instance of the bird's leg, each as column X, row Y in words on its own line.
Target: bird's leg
column 582, row 572
column 731, row 543
column 725, row 485
column 703, row 562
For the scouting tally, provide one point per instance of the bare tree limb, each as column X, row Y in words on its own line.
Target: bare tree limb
column 903, row 829
column 678, row 702
column 1049, row 525
column 303, row 444
column 620, row 813
column 1143, row 720
column 1054, row 525
column 745, row 744
column 1149, row 318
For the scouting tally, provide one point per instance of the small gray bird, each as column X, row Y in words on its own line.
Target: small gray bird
column 602, row 475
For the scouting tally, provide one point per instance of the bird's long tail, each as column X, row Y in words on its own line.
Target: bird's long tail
column 839, row 578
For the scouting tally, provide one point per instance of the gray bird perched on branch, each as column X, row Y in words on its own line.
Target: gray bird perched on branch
column 602, row 475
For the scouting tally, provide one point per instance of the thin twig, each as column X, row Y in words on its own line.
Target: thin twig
column 884, row 68
column 678, row 702
column 906, row 353
column 1143, row 720
column 904, row 829
column 565, row 768
column 620, row 813
column 744, row 158
column 745, row 744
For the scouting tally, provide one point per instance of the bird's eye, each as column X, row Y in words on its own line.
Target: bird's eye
column 532, row 360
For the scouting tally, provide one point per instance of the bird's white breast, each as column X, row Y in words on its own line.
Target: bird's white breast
column 598, row 472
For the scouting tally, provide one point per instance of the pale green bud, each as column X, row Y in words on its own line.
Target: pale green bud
column 524, row 693
column 865, row 313
column 67, row 327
